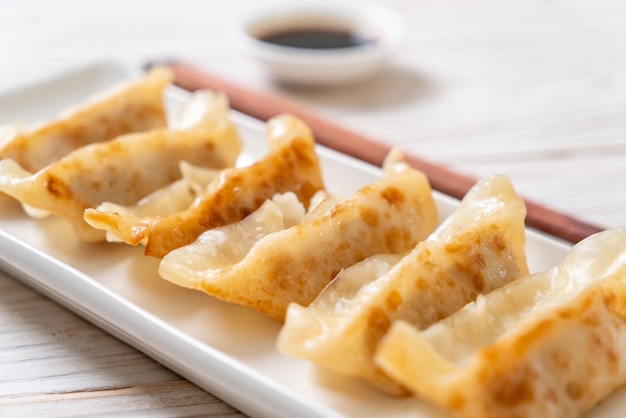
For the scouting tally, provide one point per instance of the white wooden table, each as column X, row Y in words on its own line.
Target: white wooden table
column 535, row 90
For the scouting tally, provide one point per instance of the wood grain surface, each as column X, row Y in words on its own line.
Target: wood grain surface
column 55, row 364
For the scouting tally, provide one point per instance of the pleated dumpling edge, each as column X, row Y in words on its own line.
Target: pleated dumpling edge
column 294, row 264
column 478, row 248
column 550, row 344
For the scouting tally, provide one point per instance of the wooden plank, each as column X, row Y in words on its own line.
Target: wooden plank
column 56, row 364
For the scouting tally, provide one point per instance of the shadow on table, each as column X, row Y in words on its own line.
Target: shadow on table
column 390, row 88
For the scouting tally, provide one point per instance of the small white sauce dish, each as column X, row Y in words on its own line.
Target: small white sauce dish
column 373, row 32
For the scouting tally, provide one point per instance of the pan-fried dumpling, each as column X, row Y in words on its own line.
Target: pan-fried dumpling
column 172, row 198
column 131, row 107
column 478, row 248
column 294, row 264
column 551, row 344
column 223, row 246
column 291, row 165
column 125, row 169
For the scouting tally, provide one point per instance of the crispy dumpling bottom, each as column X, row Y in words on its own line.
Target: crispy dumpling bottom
column 125, row 169
column 133, row 106
column 296, row 263
column 291, row 165
column 479, row 247
column 550, row 344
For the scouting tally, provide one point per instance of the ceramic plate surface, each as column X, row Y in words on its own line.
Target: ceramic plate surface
column 226, row 349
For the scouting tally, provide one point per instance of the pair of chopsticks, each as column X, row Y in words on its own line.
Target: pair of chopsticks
column 265, row 106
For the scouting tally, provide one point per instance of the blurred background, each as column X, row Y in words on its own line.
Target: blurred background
column 533, row 89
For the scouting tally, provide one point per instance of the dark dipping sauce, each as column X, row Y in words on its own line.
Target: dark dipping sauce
column 317, row 39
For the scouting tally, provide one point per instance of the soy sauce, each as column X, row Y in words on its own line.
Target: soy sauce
column 317, row 38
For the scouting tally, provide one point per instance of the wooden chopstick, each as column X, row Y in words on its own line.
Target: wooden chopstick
column 264, row 106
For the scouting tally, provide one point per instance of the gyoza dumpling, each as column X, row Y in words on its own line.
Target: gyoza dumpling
column 223, row 246
column 551, row 344
column 478, row 248
column 132, row 107
column 291, row 165
column 172, row 198
column 294, row 264
column 125, row 169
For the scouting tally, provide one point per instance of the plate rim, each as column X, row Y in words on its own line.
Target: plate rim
column 16, row 259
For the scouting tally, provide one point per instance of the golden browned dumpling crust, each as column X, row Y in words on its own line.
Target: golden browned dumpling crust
column 479, row 247
column 550, row 345
column 122, row 170
column 291, row 165
column 293, row 265
column 132, row 107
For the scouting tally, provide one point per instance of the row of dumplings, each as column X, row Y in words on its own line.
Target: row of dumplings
column 369, row 286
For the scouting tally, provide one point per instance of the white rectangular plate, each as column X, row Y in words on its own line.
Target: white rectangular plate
column 227, row 350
